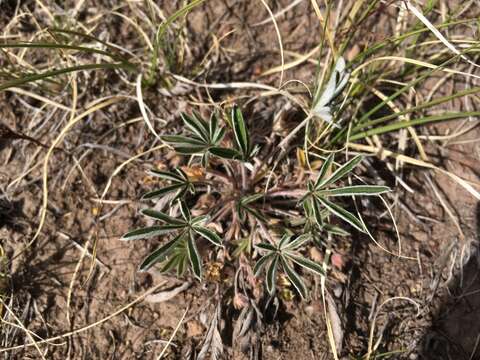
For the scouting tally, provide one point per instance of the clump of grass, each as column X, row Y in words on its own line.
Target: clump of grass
column 271, row 229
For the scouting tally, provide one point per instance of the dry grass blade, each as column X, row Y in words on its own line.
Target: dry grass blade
column 90, row 326
column 71, row 123
column 280, row 43
column 173, row 335
column 27, row 332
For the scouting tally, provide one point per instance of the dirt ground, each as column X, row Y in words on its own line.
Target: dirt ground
column 425, row 304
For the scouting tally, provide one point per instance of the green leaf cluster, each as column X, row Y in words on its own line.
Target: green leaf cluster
column 183, row 246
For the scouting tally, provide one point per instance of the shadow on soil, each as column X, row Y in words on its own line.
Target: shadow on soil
column 455, row 331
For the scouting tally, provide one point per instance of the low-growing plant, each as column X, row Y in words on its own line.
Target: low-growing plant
column 269, row 227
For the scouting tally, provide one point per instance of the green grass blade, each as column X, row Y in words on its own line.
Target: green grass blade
column 35, row 77
column 89, row 37
column 421, row 121
column 162, row 29
column 29, row 45
column 413, row 109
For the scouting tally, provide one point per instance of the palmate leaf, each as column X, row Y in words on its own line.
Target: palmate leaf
column 363, row 190
column 198, row 220
column 178, row 260
column 343, row 214
column 340, row 172
column 178, row 175
column 297, row 242
column 317, row 212
column 180, row 184
column 150, row 231
column 182, row 263
column 185, row 211
column 294, row 278
column 324, row 170
column 196, row 125
column 242, row 137
column 250, row 199
column 171, row 263
column 306, row 263
column 225, row 153
column 260, row 264
column 203, row 136
column 216, row 133
column 160, row 254
column 282, row 256
column 272, row 275
column 266, row 246
column 208, row 234
column 157, row 215
column 185, row 145
column 194, row 257
column 335, row 230
column 284, row 240
column 250, row 210
column 180, row 188
column 243, row 207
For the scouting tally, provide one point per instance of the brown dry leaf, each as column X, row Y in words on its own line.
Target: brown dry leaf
column 195, row 172
column 335, row 322
column 167, row 294
column 214, row 271
column 161, row 166
column 149, row 180
column 339, row 276
column 240, row 301
column 216, row 227
column 205, row 201
column 315, row 255
column 338, row 261
column 283, row 281
column 194, row 328
column 353, row 52
column 173, row 158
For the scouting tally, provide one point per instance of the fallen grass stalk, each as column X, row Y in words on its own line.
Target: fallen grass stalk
column 52, row 73
column 90, row 326
column 27, row 332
